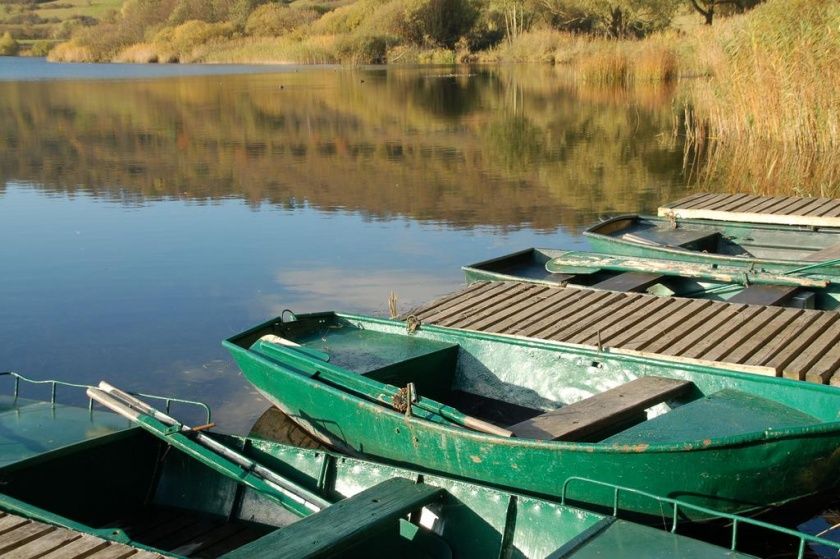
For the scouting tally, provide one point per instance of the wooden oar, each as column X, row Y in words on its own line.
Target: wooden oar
column 151, row 419
column 374, row 390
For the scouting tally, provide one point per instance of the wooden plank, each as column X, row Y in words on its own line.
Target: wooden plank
column 598, row 317
column 566, row 313
column 764, row 295
column 113, row 551
column 501, row 310
column 571, row 306
column 683, row 328
column 639, row 330
column 488, row 305
column 649, row 314
column 22, row 535
column 81, row 547
column 685, row 201
column 43, row 545
column 547, row 313
column 338, row 527
column 675, row 238
column 719, row 351
column 9, row 522
column 442, row 313
column 827, row 367
column 629, row 281
column 723, row 315
column 835, row 380
column 797, row 344
column 762, row 337
column 829, row 208
column 815, row 205
column 789, row 335
column 678, row 360
column 653, row 332
column 725, row 202
column 473, row 290
column 587, row 417
column 589, row 335
column 828, row 253
column 444, row 299
column 541, row 305
column 806, row 361
column 721, row 333
column 570, row 321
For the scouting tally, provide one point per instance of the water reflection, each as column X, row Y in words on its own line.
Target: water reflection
column 491, row 147
column 144, row 220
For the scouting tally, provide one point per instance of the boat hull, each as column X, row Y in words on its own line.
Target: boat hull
column 736, row 475
column 786, row 247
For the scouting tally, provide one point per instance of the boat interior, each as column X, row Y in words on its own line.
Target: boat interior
column 747, row 240
column 537, row 390
column 129, row 485
column 530, row 265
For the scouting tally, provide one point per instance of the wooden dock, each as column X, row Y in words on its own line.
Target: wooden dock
column 21, row 538
column 777, row 341
column 779, row 210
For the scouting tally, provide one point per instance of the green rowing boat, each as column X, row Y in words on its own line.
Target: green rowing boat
column 527, row 414
column 165, row 488
column 773, row 248
column 738, row 281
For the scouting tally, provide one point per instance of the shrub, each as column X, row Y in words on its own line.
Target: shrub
column 363, row 49
column 273, row 20
column 8, row 45
column 41, row 48
column 178, row 43
column 437, row 22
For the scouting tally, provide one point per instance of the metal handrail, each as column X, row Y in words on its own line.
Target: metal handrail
column 168, row 400
column 677, row 504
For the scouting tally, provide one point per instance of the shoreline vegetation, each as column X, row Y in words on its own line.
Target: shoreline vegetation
column 755, row 92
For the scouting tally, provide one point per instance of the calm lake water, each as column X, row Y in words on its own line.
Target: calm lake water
column 147, row 212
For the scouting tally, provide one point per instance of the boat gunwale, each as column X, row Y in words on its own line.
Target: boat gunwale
column 593, row 232
column 756, row 437
column 475, row 268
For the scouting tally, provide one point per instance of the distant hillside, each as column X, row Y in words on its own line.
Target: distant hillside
column 52, row 21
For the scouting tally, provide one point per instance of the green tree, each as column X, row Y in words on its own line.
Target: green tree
column 8, row 45
column 615, row 18
column 438, row 22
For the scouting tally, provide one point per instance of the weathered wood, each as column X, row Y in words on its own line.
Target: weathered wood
column 22, row 535
column 723, row 314
column 575, row 422
column 589, row 334
column 471, row 299
column 802, row 341
column 340, row 526
column 779, row 210
column 540, row 307
column 762, row 337
column 720, row 351
column 584, row 300
column 81, row 547
column 629, row 281
column 113, row 551
column 556, row 330
column 764, row 295
column 675, row 238
column 828, row 253
column 654, row 331
column 805, row 364
column 722, row 332
column 655, row 307
column 683, row 328
column 497, row 311
column 596, row 316
column 640, row 331
column 42, row 545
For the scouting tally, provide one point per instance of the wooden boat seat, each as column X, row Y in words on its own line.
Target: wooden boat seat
column 764, row 295
column 829, row 253
column 725, row 413
column 629, row 281
column 344, row 524
column 679, row 238
column 598, row 413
